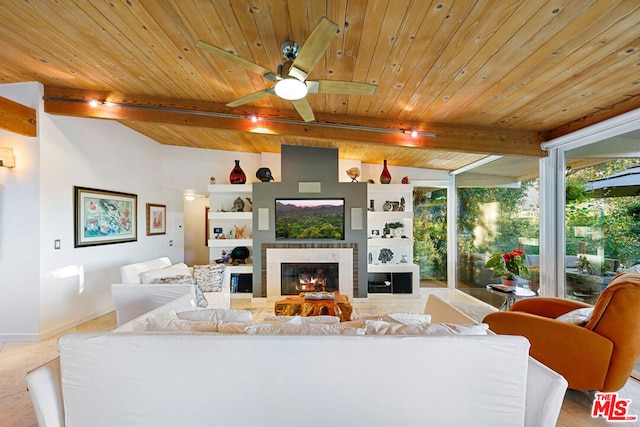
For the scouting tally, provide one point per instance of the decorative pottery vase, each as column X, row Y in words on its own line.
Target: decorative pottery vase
column 385, row 176
column 237, row 175
column 264, row 175
column 238, row 205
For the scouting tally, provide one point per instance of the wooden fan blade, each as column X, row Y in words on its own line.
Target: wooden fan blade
column 313, row 49
column 251, row 97
column 304, row 109
column 341, row 87
column 238, row 60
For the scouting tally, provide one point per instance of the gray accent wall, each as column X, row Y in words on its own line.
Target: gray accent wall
column 310, row 172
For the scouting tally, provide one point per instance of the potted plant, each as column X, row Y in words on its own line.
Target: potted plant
column 508, row 266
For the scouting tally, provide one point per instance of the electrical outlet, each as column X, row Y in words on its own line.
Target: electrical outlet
column 170, row 242
column 56, row 244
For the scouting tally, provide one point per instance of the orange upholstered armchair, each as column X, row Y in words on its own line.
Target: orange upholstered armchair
column 597, row 356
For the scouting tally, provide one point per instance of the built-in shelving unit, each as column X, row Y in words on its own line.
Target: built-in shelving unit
column 223, row 216
column 391, row 205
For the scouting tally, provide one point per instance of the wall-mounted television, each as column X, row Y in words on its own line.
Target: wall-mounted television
column 310, row 219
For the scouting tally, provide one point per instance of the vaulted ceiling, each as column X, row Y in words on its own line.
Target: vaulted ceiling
column 486, row 77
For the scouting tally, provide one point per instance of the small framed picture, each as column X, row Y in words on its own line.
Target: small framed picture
column 375, row 232
column 156, row 219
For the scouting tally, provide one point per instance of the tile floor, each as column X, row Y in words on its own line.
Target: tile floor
column 18, row 359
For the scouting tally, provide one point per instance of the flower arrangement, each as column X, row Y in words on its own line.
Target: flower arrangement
column 508, row 266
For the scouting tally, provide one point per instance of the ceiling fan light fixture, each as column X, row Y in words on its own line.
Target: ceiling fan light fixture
column 291, row 89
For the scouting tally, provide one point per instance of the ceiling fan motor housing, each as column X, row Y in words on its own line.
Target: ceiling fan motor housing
column 290, row 50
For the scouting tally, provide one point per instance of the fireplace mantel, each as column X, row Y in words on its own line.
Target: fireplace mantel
column 276, row 254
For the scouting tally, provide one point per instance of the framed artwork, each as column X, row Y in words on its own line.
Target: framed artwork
column 156, row 219
column 104, row 217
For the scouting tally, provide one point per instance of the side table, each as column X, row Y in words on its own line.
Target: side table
column 511, row 297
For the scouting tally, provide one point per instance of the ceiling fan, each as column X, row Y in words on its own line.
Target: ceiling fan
column 291, row 78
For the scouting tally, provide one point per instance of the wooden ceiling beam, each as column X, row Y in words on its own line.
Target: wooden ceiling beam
column 17, row 118
column 449, row 137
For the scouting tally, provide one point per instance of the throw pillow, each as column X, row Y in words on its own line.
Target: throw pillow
column 179, row 269
column 407, row 318
column 209, row 277
column 578, row 316
column 173, row 280
column 201, row 301
column 216, row 315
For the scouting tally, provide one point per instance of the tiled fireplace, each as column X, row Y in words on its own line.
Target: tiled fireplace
column 343, row 255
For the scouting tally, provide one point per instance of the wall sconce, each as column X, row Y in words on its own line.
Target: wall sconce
column 7, row 159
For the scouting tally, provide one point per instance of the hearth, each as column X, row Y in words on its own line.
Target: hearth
column 299, row 277
column 306, row 253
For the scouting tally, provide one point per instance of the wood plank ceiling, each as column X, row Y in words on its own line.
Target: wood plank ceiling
column 488, row 77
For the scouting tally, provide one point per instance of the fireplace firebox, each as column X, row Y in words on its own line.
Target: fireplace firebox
column 299, row 277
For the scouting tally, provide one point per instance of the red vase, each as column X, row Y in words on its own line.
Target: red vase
column 385, row 176
column 237, row 175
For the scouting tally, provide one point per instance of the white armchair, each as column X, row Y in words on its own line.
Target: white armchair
column 134, row 297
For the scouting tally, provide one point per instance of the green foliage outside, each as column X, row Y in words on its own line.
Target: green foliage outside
column 477, row 234
column 318, row 226
column 613, row 223
column 430, row 233
column 608, row 225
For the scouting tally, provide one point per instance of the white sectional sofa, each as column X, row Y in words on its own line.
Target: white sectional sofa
column 133, row 298
column 126, row 378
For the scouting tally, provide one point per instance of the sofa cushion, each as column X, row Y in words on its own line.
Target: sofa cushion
column 216, row 315
column 179, row 269
column 303, row 320
column 132, row 273
column 209, row 277
column 374, row 327
column 234, row 328
column 167, row 324
column 354, row 327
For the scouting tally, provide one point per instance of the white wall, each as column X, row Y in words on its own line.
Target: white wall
column 43, row 290
column 75, row 282
column 19, row 227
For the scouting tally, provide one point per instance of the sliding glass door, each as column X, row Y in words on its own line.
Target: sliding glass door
column 602, row 217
